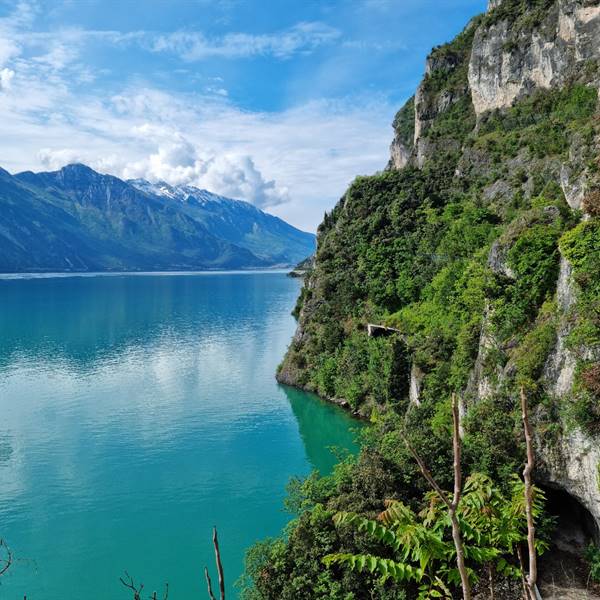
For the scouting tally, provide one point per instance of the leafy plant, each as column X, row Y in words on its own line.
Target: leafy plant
column 592, row 555
column 493, row 525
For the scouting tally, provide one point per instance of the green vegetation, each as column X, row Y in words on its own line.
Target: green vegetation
column 493, row 526
column 404, row 123
column 462, row 258
column 593, row 557
column 522, row 15
column 543, row 123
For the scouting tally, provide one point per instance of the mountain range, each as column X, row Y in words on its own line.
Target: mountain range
column 76, row 219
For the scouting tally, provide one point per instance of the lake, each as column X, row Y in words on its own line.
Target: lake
column 136, row 412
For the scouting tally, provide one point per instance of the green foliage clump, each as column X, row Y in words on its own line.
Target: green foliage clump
column 592, row 555
column 522, row 15
column 533, row 260
column 530, row 356
column 291, row 567
column 543, row 123
column 364, row 370
column 584, row 408
column 581, row 247
column 492, row 525
column 404, row 123
column 491, row 445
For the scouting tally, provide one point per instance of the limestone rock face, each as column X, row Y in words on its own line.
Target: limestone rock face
column 416, row 380
column 559, row 370
column 508, row 63
column 429, row 103
column 571, row 464
column 399, row 154
column 492, row 4
column 402, row 144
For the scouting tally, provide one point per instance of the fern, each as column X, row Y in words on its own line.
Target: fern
column 492, row 526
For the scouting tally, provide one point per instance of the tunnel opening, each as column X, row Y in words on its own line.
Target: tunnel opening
column 575, row 527
column 564, row 570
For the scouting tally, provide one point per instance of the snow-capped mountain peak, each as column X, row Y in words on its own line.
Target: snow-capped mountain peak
column 184, row 193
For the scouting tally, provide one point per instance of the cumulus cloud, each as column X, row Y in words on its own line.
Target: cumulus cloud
column 237, row 177
column 295, row 162
column 178, row 162
column 307, row 154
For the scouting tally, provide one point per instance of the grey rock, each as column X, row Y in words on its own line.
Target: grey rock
column 399, row 154
column 505, row 65
column 416, row 380
column 497, row 260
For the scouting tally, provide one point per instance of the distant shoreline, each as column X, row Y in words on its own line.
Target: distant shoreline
column 69, row 274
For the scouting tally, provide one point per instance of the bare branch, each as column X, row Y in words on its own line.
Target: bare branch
column 209, row 584
column 219, row 564
column 427, row 474
column 527, row 471
column 130, row 584
column 456, row 447
column 452, row 505
column 5, row 563
column 456, row 533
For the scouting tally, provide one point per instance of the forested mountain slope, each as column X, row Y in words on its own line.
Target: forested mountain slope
column 76, row 219
column 480, row 244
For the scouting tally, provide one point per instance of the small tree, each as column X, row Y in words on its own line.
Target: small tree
column 493, row 526
column 486, row 527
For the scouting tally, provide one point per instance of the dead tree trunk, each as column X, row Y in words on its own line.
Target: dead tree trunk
column 456, row 535
column 527, row 471
column 209, row 584
column 219, row 570
column 453, row 504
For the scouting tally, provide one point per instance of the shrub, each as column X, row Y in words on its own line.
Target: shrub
column 591, row 379
column 592, row 555
column 591, row 203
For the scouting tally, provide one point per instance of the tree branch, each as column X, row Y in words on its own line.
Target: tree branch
column 7, row 562
column 209, row 584
column 129, row 583
column 456, row 534
column 527, row 471
column 219, row 564
column 452, row 505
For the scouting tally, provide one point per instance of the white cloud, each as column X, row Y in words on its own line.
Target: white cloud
column 191, row 45
column 237, row 177
column 8, row 50
column 6, row 77
column 295, row 162
column 178, row 162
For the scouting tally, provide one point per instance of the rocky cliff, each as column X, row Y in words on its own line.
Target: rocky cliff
column 480, row 243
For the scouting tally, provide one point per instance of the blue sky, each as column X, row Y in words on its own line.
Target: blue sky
column 280, row 103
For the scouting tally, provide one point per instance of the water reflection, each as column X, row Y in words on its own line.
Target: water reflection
column 318, row 424
column 136, row 413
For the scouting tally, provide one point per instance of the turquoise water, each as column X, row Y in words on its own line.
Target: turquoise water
column 135, row 413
